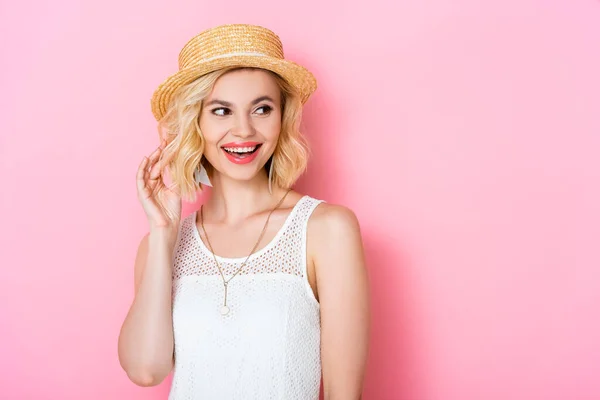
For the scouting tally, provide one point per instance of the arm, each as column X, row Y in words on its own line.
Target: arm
column 335, row 248
column 146, row 337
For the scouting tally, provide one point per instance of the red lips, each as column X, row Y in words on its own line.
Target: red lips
column 241, row 144
column 241, row 158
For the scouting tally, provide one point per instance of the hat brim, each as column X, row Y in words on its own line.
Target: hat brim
column 298, row 76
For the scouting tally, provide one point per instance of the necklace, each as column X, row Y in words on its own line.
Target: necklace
column 225, row 308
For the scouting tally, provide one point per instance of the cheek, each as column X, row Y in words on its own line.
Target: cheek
column 209, row 130
column 271, row 130
column 212, row 136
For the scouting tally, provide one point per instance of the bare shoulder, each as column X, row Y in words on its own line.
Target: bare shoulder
column 333, row 219
column 333, row 234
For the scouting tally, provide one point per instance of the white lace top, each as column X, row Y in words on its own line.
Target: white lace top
column 268, row 345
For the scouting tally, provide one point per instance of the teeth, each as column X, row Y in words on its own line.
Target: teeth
column 240, row 149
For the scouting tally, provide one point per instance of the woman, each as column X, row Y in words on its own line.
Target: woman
column 263, row 291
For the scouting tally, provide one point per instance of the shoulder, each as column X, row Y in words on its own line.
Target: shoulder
column 335, row 250
column 333, row 218
column 333, row 227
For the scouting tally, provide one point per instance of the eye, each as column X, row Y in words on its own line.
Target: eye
column 266, row 110
column 221, row 111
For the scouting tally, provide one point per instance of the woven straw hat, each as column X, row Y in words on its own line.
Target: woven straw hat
column 231, row 46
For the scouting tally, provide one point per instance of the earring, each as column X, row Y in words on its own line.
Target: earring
column 270, row 175
column 201, row 176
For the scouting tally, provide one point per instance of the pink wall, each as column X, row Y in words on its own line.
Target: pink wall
column 464, row 134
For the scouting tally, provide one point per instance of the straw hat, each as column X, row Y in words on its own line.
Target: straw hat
column 230, row 46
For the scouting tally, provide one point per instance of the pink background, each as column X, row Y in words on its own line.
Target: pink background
column 464, row 134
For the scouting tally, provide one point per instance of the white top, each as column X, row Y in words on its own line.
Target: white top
column 268, row 345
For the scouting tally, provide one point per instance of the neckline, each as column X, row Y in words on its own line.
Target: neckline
column 258, row 252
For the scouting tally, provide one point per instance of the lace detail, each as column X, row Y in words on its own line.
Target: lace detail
column 279, row 255
column 268, row 346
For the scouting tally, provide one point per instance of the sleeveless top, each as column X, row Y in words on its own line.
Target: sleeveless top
column 268, row 345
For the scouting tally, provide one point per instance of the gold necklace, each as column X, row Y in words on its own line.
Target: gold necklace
column 225, row 309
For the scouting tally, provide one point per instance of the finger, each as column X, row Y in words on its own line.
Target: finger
column 153, row 157
column 159, row 167
column 154, row 171
column 141, row 169
column 150, row 181
column 161, row 163
column 152, row 162
column 146, row 176
column 165, row 159
column 140, row 176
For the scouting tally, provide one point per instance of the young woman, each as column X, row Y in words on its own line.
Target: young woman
column 263, row 291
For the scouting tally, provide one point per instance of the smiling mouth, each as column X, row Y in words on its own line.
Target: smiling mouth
column 241, row 154
column 240, row 151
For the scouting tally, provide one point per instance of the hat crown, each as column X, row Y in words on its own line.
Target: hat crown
column 230, row 39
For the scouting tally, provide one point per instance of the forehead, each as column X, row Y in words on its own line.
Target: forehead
column 244, row 85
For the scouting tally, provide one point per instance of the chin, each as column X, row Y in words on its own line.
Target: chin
column 242, row 173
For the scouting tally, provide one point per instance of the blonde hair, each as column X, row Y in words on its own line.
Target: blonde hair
column 185, row 142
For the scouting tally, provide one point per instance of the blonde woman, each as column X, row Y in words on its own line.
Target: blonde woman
column 263, row 291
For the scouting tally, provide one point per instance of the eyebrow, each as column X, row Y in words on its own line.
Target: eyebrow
column 228, row 104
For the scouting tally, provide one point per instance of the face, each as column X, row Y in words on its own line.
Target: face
column 241, row 123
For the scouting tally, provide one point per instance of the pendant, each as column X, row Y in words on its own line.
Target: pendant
column 224, row 308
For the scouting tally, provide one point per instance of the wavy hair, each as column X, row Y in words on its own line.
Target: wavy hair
column 180, row 127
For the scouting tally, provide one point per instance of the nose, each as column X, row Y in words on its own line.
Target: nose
column 243, row 127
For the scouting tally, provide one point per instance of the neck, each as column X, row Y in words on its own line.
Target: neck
column 232, row 201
